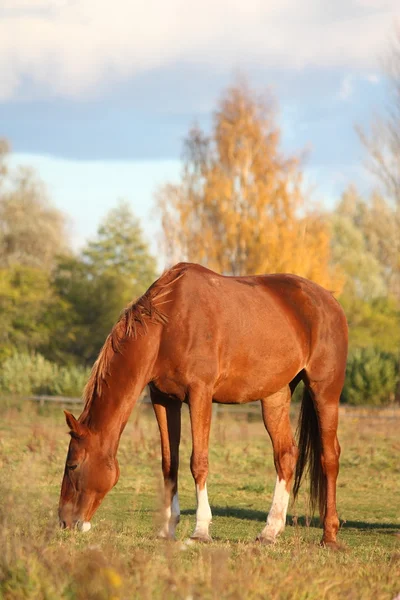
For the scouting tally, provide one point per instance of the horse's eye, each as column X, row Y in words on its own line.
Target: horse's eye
column 71, row 467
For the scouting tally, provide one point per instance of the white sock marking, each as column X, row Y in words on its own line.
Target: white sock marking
column 171, row 518
column 203, row 514
column 276, row 519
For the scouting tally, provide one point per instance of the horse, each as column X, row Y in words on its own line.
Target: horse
column 199, row 337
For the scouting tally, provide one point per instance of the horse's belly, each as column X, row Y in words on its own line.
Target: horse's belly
column 234, row 395
column 251, row 385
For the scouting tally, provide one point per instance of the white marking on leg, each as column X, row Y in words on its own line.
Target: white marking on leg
column 276, row 519
column 171, row 516
column 203, row 515
column 84, row 526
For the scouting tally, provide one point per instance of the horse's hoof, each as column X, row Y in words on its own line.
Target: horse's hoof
column 194, row 540
column 267, row 541
column 331, row 545
column 166, row 537
column 204, row 539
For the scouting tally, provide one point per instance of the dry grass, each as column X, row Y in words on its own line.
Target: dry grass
column 120, row 557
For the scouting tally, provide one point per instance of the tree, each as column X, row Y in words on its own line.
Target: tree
column 239, row 208
column 382, row 143
column 120, row 248
column 364, row 242
column 111, row 270
column 91, row 305
column 25, row 299
column 32, row 231
column 4, row 150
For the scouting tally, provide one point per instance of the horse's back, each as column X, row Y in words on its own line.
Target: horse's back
column 278, row 300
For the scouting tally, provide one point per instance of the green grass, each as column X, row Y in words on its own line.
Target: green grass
column 121, row 558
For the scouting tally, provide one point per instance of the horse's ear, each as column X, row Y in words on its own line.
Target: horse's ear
column 76, row 429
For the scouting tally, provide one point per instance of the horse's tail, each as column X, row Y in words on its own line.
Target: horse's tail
column 310, row 452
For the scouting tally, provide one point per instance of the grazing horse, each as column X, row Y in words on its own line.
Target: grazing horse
column 199, row 337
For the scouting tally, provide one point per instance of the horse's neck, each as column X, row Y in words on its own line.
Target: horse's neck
column 128, row 373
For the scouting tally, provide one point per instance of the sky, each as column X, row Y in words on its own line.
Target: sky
column 97, row 96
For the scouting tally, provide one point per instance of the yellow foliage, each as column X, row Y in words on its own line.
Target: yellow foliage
column 239, row 208
column 113, row 577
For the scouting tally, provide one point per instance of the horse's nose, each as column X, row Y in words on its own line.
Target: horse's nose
column 65, row 517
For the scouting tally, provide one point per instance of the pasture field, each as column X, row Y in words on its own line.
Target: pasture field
column 121, row 557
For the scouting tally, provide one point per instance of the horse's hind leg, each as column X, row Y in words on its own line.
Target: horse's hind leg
column 275, row 411
column 326, row 401
column 168, row 414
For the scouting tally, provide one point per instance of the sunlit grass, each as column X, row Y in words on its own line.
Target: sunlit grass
column 121, row 558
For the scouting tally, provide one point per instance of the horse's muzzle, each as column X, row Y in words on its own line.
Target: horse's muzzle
column 83, row 526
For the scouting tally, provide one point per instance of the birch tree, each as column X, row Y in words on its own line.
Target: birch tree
column 239, row 206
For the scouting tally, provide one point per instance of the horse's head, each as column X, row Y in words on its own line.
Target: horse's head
column 91, row 470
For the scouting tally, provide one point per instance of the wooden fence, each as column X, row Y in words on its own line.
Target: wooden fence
column 387, row 412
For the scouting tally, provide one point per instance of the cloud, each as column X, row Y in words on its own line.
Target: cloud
column 373, row 78
column 347, row 85
column 75, row 48
column 346, row 88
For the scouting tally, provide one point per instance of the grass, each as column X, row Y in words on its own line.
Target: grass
column 121, row 558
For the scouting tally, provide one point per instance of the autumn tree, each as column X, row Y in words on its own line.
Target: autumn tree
column 4, row 150
column 32, row 230
column 239, row 207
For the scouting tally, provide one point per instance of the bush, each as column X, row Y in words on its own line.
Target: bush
column 24, row 374
column 69, row 381
column 371, row 377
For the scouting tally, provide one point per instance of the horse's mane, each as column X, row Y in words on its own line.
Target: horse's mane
column 132, row 322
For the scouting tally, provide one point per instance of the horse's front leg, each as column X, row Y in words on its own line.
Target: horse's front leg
column 168, row 414
column 200, row 405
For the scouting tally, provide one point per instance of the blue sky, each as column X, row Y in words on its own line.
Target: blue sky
column 97, row 96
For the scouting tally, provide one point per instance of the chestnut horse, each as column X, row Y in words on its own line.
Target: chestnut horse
column 199, row 337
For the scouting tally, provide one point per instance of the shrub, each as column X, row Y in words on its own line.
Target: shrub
column 24, row 374
column 69, row 381
column 371, row 377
